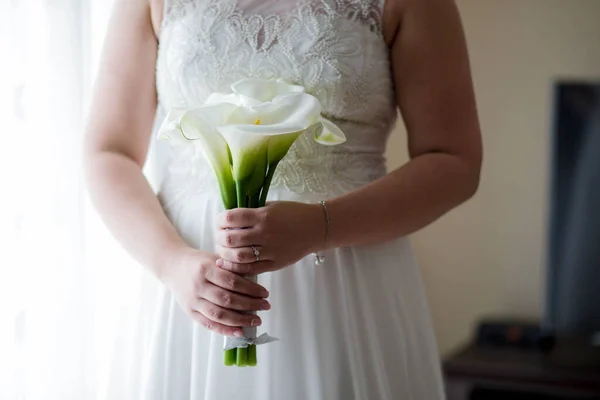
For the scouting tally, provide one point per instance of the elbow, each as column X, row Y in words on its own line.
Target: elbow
column 102, row 155
column 102, row 168
column 460, row 173
column 89, row 154
column 472, row 173
column 92, row 154
column 98, row 161
column 472, row 184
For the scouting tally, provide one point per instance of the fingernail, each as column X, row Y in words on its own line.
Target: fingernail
column 220, row 263
column 238, row 334
column 265, row 306
column 265, row 293
column 256, row 321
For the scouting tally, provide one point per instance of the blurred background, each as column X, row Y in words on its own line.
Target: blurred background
column 519, row 264
column 60, row 306
column 490, row 255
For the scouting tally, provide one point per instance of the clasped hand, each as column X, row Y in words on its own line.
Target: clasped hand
column 211, row 288
column 282, row 233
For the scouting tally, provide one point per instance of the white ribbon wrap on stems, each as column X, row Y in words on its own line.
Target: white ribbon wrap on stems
column 250, row 337
column 235, row 342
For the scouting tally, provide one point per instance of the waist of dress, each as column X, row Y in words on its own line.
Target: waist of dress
column 323, row 175
column 328, row 175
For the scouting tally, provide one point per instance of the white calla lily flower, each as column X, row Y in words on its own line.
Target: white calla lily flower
column 330, row 134
column 260, row 119
column 284, row 112
column 198, row 126
column 250, row 129
column 231, row 98
column 171, row 129
column 263, row 90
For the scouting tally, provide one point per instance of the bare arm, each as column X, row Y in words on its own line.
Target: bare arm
column 118, row 134
column 116, row 144
column 435, row 95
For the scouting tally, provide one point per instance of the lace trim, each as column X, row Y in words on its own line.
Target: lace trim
column 369, row 12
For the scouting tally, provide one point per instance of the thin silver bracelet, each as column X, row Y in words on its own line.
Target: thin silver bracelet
column 319, row 259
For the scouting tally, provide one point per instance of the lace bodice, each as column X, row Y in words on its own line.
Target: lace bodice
column 334, row 48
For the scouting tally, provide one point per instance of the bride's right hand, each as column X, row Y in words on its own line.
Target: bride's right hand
column 213, row 296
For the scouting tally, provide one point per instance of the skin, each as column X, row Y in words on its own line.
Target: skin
column 434, row 94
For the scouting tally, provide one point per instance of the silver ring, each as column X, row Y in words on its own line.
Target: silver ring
column 256, row 252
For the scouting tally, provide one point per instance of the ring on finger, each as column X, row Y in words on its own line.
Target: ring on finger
column 256, row 252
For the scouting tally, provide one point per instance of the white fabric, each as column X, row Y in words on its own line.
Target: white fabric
column 357, row 327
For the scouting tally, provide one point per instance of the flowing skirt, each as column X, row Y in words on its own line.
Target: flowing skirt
column 357, row 327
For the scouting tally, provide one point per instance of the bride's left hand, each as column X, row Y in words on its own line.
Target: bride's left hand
column 283, row 232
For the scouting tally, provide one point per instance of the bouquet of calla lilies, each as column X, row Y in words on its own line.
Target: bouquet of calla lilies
column 244, row 135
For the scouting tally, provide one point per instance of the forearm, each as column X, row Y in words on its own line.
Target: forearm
column 401, row 202
column 131, row 210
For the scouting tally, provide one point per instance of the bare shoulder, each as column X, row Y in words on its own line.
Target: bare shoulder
column 156, row 13
column 392, row 16
column 396, row 11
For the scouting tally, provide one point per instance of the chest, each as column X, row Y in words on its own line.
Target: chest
column 334, row 48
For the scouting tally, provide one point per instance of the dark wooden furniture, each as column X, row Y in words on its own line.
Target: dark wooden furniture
column 571, row 371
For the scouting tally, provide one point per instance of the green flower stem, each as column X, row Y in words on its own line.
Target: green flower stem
column 230, row 202
column 228, row 193
column 248, row 356
column 252, row 355
column 254, row 201
column 265, row 190
column 242, row 199
column 256, row 180
column 230, row 357
column 242, row 357
column 239, row 356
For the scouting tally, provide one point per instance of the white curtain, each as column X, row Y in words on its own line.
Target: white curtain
column 63, row 280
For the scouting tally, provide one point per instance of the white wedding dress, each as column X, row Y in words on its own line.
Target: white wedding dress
column 357, row 327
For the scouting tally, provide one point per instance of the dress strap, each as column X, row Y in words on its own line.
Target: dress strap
column 165, row 11
column 174, row 8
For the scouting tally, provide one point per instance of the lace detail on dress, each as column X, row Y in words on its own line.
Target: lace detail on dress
column 334, row 48
column 309, row 168
column 367, row 11
column 324, row 174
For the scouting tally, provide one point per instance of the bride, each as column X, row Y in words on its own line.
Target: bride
column 356, row 326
